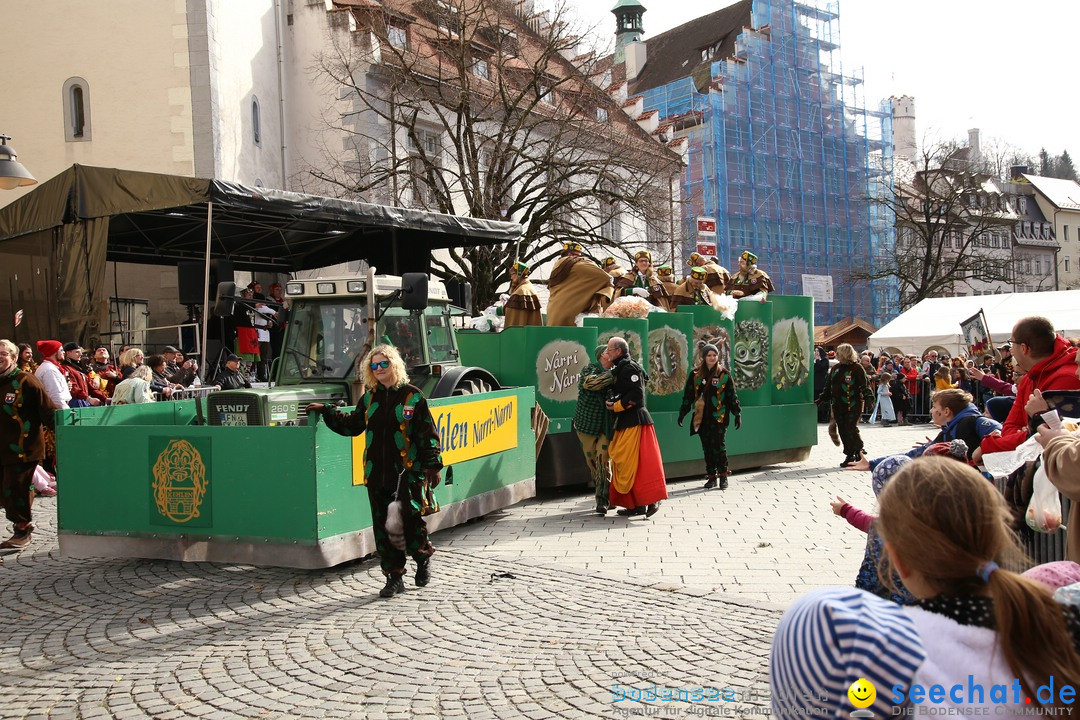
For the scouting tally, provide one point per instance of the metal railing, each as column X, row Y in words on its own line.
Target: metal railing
column 137, row 338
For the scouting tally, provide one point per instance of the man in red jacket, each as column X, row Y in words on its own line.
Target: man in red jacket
column 1048, row 362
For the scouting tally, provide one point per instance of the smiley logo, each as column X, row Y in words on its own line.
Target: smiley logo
column 862, row 693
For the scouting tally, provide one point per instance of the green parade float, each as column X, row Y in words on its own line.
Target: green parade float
column 767, row 347
column 245, row 478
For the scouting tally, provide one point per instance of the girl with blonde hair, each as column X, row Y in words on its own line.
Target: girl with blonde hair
column 402, row 461
column 946, row 533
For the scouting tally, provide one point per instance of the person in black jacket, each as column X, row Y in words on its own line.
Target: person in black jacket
column 402, row 460
column 846, row 392
column 821, row 375
column 901, row 399
column 710, row 392
column 637, row 478
column 229, row 376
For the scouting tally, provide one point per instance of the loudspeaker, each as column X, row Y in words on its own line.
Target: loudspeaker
column 189, row 279
column 224, row 304
column 189, row 282
column 460, row 293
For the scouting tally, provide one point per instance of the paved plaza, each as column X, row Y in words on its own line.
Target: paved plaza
column 543, row 610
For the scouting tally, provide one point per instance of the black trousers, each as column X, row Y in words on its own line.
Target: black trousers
column 712, row 445
column 417, row 544
column 847, row 425
column 17, row 491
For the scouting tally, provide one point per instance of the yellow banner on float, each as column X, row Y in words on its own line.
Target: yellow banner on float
column 467, row 430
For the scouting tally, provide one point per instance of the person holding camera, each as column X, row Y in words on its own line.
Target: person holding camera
column 637, row 479
column 402, row 460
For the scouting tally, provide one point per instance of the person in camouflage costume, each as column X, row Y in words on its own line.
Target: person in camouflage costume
column 25, row 409
column 846, row 391
column 710, row 393
column 592, row 422
column 402, row 459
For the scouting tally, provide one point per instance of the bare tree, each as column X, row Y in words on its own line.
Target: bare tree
column 946, row 222
column 999, row 156
column 472, row 107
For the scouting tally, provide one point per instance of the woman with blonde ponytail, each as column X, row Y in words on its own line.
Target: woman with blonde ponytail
column 946, row 533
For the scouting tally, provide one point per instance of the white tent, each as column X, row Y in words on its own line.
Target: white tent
column 934, row 323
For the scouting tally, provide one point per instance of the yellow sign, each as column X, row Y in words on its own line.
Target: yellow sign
column 467, row 430
column 179, row 481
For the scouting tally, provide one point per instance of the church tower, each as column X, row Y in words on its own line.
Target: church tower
column 628, row 28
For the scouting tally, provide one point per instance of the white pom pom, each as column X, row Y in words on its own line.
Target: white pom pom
column 395, row 525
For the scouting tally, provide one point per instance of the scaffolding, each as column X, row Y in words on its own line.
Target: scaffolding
column 784, row 153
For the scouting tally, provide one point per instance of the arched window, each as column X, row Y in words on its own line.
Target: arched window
column 76, row 100
column 256, row 121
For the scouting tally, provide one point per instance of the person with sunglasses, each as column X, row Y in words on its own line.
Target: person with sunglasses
column 402, row 460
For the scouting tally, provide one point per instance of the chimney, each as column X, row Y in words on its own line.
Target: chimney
column 973, row 143
column 635, row 60
column 1017, row 172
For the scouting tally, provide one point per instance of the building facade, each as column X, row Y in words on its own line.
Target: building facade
column 1059, row 203
column 233, row 90
column 782, row 151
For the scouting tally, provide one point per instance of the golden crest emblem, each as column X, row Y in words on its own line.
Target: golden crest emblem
column 179, row 481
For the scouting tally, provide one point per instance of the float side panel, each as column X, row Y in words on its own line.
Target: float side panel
column 764, row 428
column 343, row 505
column 257, row 481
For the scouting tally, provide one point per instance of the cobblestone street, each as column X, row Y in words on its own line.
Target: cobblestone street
column 592, row 607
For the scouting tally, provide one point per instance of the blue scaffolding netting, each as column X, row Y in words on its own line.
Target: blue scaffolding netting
column 784, row 153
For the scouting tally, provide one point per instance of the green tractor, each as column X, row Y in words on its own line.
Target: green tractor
column 330, row 328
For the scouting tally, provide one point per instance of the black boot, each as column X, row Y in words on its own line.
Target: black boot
column 628, row 512
column 423, row 572
column 394, row 585
column 652, row 509
column 723, row 482
column 711, row 482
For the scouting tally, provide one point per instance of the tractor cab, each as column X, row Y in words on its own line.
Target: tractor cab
column 327, row 334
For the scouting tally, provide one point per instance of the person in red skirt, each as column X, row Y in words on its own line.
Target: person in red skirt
column 637, row 478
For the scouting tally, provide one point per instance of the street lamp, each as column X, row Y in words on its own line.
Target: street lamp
column 12, row 173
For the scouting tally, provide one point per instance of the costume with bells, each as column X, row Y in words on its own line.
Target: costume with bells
column 401, row 446
column 523, row 306
column 25, row 409
column 576, row 285
column 847, row 390
column 692, row 290
column 637, row 478
column 749, row 280
column 717, row 277
column 710, row 394
column 644, row 284
column 592, row 422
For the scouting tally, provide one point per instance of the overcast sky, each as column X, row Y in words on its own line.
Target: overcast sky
column 1008, row 68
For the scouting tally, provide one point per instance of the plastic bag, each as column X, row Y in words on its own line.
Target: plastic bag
column 1001, row 464
column 1044, row 511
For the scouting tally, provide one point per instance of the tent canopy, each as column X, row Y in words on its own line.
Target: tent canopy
column 161, row 219
column 55, row 240
column 935, row 322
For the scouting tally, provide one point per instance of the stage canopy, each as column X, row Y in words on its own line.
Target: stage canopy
column 55, row 240
column 934, row 323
